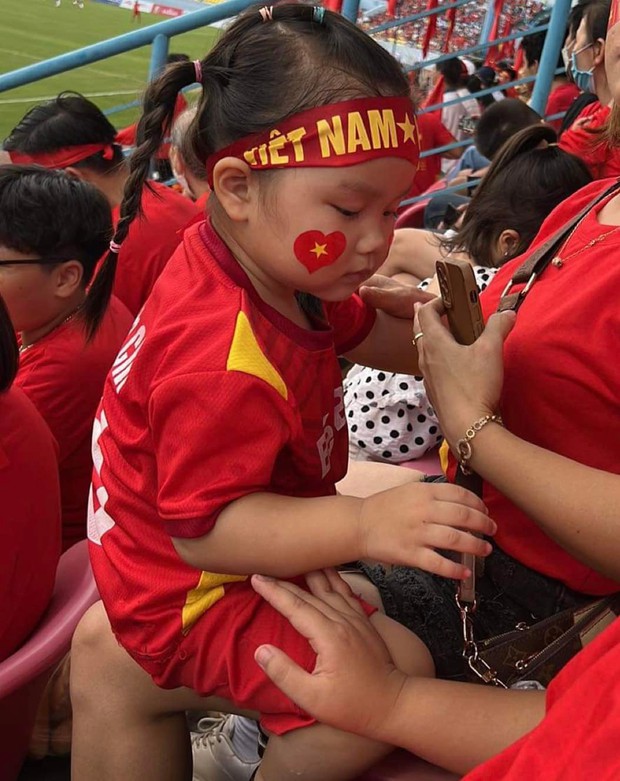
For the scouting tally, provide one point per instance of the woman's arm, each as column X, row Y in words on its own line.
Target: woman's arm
column 389, row 344
column 413, row 252
column 572, row 503
column 356, row 687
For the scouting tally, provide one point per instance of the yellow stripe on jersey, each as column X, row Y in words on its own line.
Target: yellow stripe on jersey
column 210, row 589
column 246, row 356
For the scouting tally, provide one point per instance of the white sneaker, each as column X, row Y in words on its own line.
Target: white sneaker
column 214, row 756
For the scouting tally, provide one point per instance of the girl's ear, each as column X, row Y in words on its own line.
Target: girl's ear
column 234, row 187
column 67, row 278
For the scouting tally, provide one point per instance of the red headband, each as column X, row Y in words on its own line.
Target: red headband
column 338, row 134
column 614, row 14
column 61, row 158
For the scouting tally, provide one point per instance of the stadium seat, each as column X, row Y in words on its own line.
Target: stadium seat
column 24, row 674
column 401, row 766
column 413, row 216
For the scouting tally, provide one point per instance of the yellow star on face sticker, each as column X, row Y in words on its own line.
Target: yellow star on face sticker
column 319, row 249
column 409, row 130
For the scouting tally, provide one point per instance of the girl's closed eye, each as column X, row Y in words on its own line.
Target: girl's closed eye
column 346, row 212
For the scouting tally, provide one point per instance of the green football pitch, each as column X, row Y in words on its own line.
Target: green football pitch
column 35, row 30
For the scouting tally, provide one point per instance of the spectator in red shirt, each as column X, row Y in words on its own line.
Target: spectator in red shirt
column 48, row 263
column 29, row 497
column 584, row 137
column 433, row 134
column 563, row 92
column 71, row 133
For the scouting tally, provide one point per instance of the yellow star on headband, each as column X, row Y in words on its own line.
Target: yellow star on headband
column 319, row 249
column 409, row 130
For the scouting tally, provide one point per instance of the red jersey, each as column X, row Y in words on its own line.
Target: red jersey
column 583, row 717
column 433, row 133
column 215, row 395
column 30, row 518
column 582, row 141
column 559, row 101
column 63, row 376
column 151, row 241
column 561, row 390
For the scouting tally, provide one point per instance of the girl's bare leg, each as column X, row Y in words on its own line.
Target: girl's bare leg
column 124, row 726
column 322, row 753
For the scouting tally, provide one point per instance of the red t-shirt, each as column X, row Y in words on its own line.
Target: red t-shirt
column 560, row 100
column 561, row 382
column 578, row 738
column 214, row 396
column 602, row 159
column 151, row 241
column 433, row 133
column 30, row 518
column 64, row 377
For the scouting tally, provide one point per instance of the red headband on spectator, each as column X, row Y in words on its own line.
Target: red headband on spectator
column 338, row 134
column 614, row 14
column 61, row 158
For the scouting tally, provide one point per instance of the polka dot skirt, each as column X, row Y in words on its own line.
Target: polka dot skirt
column 389, row 415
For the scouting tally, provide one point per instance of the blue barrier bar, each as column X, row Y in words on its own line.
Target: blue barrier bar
column 550, row 55
column 121, row 44
column 485, row 33
column 350, row 9
column 159, row 55
column 455, row 188
column 482, row 92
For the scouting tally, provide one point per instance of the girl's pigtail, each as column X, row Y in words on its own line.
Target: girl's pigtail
column 158, row 112
column 9, row 352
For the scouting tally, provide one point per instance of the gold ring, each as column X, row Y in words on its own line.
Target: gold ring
column 417, row 336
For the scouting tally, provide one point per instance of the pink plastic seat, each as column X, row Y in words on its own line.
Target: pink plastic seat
column 401, row 766
column 413, row 216
column 428, row 463
column 24, row 674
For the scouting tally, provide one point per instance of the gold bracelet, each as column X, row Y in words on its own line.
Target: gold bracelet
column 463, row 446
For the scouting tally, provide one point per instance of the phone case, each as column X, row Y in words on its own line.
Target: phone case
column 459, row 293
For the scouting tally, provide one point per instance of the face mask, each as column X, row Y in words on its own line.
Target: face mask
column 583, row 79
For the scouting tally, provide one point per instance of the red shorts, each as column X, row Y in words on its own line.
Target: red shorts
column 216, row 658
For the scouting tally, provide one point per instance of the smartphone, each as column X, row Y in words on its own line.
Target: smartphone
column 459, row 292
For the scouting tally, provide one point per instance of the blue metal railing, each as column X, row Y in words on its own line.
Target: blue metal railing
column 158, row 36
column 125, row 43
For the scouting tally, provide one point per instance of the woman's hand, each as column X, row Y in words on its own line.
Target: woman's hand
column 355, row 684
column 407, row 525
column 392, row 297
column 463, row 383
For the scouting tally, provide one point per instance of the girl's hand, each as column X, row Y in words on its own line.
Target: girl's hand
column 392, row 297
column 463, row 383
column 355, row 684
column 406, row 525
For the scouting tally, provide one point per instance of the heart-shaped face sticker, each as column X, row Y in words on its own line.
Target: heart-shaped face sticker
column 315, row 249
